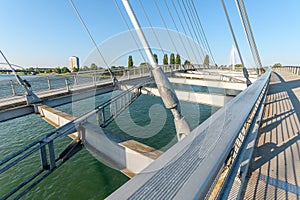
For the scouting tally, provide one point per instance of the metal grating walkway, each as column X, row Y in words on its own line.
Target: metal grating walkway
column 275, row 164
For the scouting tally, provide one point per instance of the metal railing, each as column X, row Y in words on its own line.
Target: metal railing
column 207, row 161
column 292, row 69
column 71, row 81
column 51, row 153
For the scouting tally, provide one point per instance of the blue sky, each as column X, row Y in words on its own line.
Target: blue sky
column 45, row 33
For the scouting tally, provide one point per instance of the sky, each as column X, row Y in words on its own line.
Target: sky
column 40, row 33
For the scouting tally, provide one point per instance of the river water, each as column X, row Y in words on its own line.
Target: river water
column 83, row 176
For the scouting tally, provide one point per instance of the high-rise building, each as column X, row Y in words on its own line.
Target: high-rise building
column 73, row 63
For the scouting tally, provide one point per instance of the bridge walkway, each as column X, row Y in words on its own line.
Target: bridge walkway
column 275, row 167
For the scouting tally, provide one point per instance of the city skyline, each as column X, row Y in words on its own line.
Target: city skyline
column 45, row 34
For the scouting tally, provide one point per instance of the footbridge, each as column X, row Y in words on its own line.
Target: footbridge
column 221, row 158
column 248, row 148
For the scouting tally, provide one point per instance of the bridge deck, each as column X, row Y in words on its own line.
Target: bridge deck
column 275, row 164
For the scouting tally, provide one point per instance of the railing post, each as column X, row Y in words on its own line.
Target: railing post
column 51, row 155
column 98, row 119
column 94, row 79
column 128, row 73
column 49, row 84
column 75, row 80
column 44, row 157
column 67, row 85
column 12, row 88
column 103, row 116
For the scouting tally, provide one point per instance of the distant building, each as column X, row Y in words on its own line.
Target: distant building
column 73, row 63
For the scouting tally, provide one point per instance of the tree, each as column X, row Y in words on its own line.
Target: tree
column 130, row 62
column 93, row 66
column 165, row 61
column 277, row 65
column 75, row 70
column 238, row 66
column 172, row 59
column 178, row 59
column 85, row 68
column 142, row 64
column 206, row 61
column 57, row 70
column 49, row 71
column 37, row 70
column 65, row 70
column 155, row 58
column 187, row 62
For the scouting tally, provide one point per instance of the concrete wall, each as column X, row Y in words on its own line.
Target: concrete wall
column 195, row 97
column 130, row 156
column 209, row 83
column 57, row 117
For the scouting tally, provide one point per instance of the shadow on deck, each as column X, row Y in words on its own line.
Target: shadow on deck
column 275, row 167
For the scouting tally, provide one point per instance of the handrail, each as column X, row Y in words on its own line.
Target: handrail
column 194, row 164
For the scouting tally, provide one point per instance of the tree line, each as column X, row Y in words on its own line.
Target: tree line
column 174, row 60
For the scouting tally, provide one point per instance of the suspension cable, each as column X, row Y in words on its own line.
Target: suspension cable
column 184, row 30
column 115, row 81
column 165, row 25
column 127, row 25
column 187, row 24
column 196, row 26
column 193, row 28
column 180, row 36
column 245, row 71
column 152, row 29
column 203, row 32
column 248, row 31
column 241, row 14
